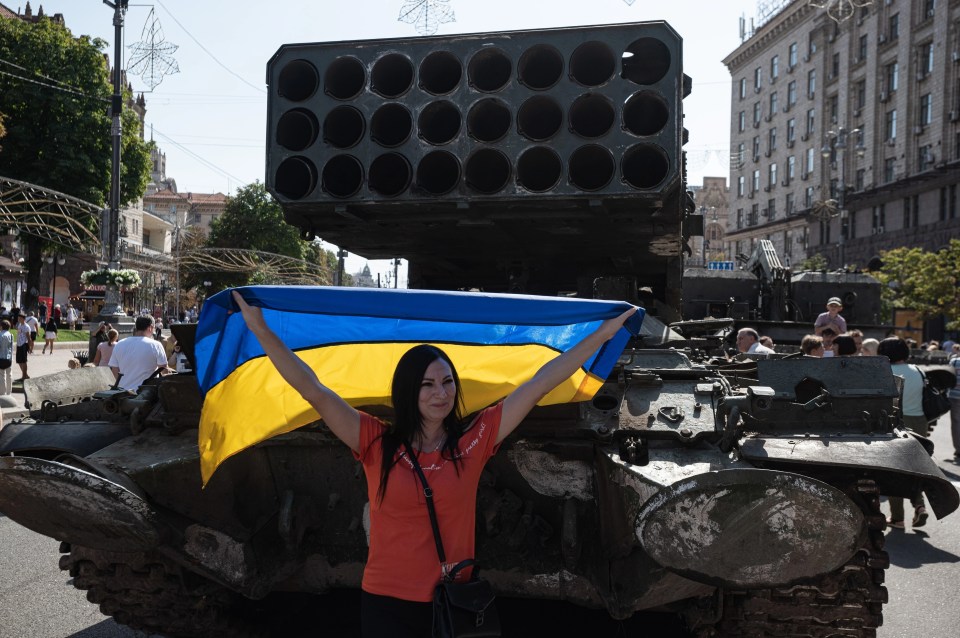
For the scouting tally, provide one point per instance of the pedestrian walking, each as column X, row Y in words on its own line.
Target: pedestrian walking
column 49, row 335
column 954, row 396
column 6, row 358
column 23, row 345
column 34, row 328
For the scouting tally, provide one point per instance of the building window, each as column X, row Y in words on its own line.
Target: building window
column 791, row 131
column 824, row 232
column 862, row 48
column 739, row 218
column 757, row 78
column 740, row 157
column 772, row 139
column 756, row 180
column 771, row 209
column 929, row 6
column 811, row 122
column 926, row 59
column 851, row 229
column 811, row 83
column 772, row 175
column 757, row 113
column 915, row 210
column 879, row 218
column 861, row 94
column 808, row 197
column 926, row 110
column 742, row 121
column 894, row 22
column 756, row 148
column 792, row 93
column 775, row 67
column 743, row 88
column 860, row 179
column 892, row 76
column 773, row 104
column 741, row 185
column 835, row 65
column 833, row 108
column 953, row 201
column 789, row 204
column 890, row 126
column 906, row 212
column 925, row 157
column 810, row 155
column 791, row 168
column 792, row 55
column 889, row 169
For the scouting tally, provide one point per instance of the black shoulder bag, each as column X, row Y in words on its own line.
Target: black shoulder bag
column 935, row 402
column 460, row 610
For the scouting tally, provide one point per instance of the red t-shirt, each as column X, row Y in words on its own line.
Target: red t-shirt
column 403, row 561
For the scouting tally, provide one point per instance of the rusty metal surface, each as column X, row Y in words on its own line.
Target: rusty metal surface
column 75, row 506
column 750, row 528
column 895, row 461
column 68, row 386
column 75, row 437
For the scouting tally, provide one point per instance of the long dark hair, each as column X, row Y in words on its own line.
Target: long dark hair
column 407, row 421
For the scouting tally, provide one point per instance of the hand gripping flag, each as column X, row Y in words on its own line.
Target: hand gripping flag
column 353, row 338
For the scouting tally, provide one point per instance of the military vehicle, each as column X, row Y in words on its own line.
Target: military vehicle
column 746, row 504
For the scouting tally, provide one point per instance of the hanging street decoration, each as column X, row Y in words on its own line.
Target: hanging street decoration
column 426, row 15
column 840, row 10
column 151, row 58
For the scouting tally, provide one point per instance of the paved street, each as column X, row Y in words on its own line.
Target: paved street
column 36, row 601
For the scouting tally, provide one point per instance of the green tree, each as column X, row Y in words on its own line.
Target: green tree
column 813, row 263
column 928, row 282
column 55, row 109
column 326, row 259
column 252, row 219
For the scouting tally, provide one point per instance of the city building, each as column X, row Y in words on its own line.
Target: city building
column 712, row 203
column 845, row 136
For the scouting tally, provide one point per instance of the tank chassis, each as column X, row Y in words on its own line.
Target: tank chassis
column 745, row 509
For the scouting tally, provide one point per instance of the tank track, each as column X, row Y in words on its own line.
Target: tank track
column 149, row 593
column 847, row 602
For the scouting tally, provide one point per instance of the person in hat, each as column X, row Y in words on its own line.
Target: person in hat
column 831, row 318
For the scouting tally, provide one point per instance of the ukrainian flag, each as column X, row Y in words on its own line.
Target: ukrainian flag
column 353, row 338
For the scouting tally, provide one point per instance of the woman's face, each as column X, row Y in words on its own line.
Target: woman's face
column 437, row 392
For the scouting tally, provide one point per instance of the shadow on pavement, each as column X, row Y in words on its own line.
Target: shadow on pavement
column 109, row 629
column 912, row 549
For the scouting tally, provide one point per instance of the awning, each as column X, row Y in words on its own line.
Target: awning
column 88, row 294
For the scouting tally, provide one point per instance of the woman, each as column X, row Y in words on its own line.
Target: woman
column 105, row 349
column 402, row 569
column 101, row 335
column 911, row 407
column 49, row 334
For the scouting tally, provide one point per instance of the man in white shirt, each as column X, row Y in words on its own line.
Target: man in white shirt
column 136, row 358
column 748, row 341
column 34, row 328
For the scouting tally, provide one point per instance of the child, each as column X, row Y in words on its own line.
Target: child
column 73, row 364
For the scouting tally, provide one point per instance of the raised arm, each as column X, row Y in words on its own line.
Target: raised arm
column 519, row 402
column 343, row 420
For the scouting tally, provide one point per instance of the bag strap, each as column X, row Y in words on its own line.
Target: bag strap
column 428, row 495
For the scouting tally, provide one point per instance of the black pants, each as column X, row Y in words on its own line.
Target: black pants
column 387, row 617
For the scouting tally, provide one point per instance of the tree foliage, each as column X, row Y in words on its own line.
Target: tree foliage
column 54, row 105
column 928, row 282
column 813, row 263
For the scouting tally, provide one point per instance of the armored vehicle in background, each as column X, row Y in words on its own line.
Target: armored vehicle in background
column 541, row 161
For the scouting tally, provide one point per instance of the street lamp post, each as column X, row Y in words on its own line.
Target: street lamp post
column 836, row 146
column 54, row 260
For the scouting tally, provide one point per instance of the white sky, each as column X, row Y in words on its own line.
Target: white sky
column 210, row 120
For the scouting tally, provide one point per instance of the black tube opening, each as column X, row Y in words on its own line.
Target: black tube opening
column 438, row 172
column 489, row 120
column 489, row 70
column 342, row 176
column 296, row 177
column 389, row 174
column 591, row 167
column 440, row 73
column 539, row 169
column 297, row 129
column 646, row 61
column 645, row 113
column 298, row 80
column 343, row 127
column 539, row 118
column 644, row 166
column 592, row 64
column 344, row 78
column 591, row 115
column 540, row 67
column 391, row 125
column 487, row 171
column 439, row 122
column 392, row 75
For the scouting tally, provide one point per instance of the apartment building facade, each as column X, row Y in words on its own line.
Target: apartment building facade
column 845, row 136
